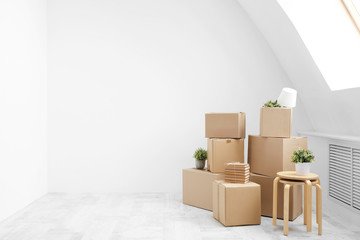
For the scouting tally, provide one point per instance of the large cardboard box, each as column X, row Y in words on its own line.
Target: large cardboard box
column 266, row 183
column 221, row 151
column 275, row 122
column 197, row 187
column 267, row 156
column 225, row 125
column 237, row 204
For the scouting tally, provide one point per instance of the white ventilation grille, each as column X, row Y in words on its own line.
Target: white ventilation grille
column 340, row 173
column 344, row 174
column 356, row 178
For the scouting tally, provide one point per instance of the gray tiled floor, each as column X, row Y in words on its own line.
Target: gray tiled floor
column 141, row 216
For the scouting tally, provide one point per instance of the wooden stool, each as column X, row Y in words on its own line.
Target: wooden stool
column 289, row 178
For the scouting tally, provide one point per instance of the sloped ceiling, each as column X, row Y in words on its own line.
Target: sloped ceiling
column 335, row 112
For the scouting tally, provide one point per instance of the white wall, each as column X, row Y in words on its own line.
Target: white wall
column 130, row 81
column 329, row 112
column 320, row 146
column 23, row 170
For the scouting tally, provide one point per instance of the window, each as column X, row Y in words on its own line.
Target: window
column 353, row 9
column 330, row 33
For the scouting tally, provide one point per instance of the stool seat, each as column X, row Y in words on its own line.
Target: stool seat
column 291, row 175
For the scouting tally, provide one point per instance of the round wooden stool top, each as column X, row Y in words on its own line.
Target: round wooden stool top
column 291, row 175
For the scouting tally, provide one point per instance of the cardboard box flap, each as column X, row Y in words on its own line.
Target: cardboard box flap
column 216, row 199
column 222, row 203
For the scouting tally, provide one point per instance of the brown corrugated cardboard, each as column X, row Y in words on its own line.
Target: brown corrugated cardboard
column 237, row 172
column 275, row 122
column 197, row 187
column 267, row 156
column 221, row 151
column 237, row 204
column 215, row 196
column 266, row 183
column 225, row 125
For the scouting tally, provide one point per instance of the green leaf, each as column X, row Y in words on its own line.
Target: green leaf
column 271, row 104
column 302, row 156
column 200, row 154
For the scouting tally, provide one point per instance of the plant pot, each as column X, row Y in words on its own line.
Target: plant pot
column 200, row 164
column 302, row 169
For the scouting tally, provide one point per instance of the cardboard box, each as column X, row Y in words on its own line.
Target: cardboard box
column 221, row 151
column 266, row 183
column 275, row 122
column 197, row 187
column 225, row 125
column 267, row 156
column 237, row 204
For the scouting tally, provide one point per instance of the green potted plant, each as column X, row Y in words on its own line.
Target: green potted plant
column 271, row 104
column 302, row 159
column 200, row 156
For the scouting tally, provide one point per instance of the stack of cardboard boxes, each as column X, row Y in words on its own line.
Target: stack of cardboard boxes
column 232, row 203
column 270, row 153
column 225, row 133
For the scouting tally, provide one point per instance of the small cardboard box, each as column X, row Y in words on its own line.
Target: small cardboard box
column 236, row 204
column 197, row 187
column 275, row 122
column 267, row 156
column 266, row 183
column 221, row 151
column 225, row 125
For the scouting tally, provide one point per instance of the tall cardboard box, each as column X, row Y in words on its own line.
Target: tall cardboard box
column 266, row 183
column 237, row 204
column 225, row 125
column 197, row 187
column 267, row 156
column 275, row 122
column 221, row 151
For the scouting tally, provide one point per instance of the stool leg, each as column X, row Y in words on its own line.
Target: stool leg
column 275, row 193
column 286, row 209
column 305, row 204
column 319, row 207
column 317, row 210
column 308, row 207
